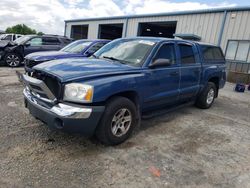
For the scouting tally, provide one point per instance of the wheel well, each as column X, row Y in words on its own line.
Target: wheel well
column 215, row 80
column 16, row 52
column 131, row 95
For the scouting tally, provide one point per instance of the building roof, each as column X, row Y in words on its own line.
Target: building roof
column 213, row 10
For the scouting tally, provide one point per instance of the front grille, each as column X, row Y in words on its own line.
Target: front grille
column 51, row 82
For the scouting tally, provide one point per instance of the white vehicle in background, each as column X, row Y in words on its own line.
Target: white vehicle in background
column 10, row 36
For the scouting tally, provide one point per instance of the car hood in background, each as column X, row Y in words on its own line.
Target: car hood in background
column 76, row 68
column 5, row 43
column 51, row 55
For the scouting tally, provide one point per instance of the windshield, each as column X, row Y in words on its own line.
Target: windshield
column 127, row 51
column 2, row 36
column 22, row 39
column 76, row 47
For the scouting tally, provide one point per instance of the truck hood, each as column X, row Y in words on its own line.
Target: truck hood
column 51, row 55
column 5, row 43
column 82, row 68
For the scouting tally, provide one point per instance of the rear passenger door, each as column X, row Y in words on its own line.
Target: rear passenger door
column 190, row 70
column 51, row 44
column 161, row 84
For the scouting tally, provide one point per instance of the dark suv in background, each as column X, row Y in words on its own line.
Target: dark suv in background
column 13, row 53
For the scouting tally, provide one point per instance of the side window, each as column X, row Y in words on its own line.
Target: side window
column 8, row 37
column 187, row 54
column 50, row 41
column 167, row 51
column 212, row 53
column 96, row 47
column 66, row 40
column 35, row 41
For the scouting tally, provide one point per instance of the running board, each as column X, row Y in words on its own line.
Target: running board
column 163, row 111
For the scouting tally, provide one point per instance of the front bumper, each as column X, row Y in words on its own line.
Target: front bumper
column 66, row 117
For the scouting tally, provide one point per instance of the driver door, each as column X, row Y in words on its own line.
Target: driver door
column 33, row 45
column 162, row 82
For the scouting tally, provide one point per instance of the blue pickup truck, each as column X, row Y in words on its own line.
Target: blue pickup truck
column 107, row 94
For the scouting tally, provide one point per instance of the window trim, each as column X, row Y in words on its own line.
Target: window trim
column 234, row 60
column 156, row 52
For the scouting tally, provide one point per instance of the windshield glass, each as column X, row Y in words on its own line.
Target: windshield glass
column 22, row 39
column 2, row 36
column 127, row 51
column 76, row 47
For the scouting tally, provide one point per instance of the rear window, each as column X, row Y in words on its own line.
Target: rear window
column 50, row 41
column 211, row 53
column 66, row 40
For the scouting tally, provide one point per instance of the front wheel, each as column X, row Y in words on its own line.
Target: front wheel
column 118, row 121
column 207, row 96
column 12, row 59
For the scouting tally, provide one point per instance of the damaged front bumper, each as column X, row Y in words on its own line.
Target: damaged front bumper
column 68, row 117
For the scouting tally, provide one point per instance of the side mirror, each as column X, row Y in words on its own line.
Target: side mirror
column 160, row 63
column 27, row 44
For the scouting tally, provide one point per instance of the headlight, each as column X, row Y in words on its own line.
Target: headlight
column 78, row 92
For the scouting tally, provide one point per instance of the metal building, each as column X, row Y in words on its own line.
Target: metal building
column 227, row 27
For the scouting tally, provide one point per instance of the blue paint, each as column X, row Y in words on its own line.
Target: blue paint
column 154, row 86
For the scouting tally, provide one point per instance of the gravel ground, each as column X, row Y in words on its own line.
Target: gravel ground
column 186, row 148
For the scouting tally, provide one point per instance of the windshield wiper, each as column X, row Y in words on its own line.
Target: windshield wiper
column 114, row 59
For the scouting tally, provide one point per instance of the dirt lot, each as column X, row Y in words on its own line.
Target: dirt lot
column 186, row 148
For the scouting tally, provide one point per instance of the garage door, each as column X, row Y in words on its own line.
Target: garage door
column 157, row 29
column 79, row 31
column 110, row 31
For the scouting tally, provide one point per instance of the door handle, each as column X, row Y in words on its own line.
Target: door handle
column 175, row 73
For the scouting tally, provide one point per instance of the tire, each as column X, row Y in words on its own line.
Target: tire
column 12, row 59
column 113, row 129
column 207, row 96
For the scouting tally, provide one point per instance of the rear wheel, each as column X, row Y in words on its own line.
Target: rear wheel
column 12, row 59
column 207, row 96
column 118, row 121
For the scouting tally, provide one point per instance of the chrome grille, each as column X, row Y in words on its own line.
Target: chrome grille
column 38, row 88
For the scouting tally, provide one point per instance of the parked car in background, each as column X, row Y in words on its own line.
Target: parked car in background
column 13, row 53
column 128, row 78
column 10, row 37
column 79, row 48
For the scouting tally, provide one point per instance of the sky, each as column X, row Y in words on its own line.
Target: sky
column 48, row 15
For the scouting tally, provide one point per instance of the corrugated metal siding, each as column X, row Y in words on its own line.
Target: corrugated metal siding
column 237, row 28
column 93, row 26
column 205, row 25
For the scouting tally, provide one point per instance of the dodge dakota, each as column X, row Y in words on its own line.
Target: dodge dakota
column 107, row 94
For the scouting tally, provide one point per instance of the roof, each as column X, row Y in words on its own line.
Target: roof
column 162, row 39
column 213, row 10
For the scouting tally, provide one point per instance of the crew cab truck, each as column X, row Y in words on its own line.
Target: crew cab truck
column 106, row 95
